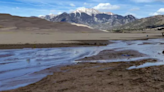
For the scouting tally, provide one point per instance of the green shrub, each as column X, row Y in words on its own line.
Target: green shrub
column 117, row 31
column 0, row 26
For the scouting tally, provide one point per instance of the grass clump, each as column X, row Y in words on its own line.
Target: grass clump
column 117, row 31
column 1, row 26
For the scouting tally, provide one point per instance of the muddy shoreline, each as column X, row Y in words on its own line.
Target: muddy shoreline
column 101, row 77
column 112, row 54
column 80, row 43
column 77, row 43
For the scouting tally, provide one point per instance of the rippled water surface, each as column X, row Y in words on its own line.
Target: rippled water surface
column 18, row 67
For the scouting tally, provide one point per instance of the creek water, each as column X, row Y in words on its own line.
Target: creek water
column 19, row 67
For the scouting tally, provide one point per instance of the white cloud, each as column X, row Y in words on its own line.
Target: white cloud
column 143, row 1
column 159, row 12
column 147, row 1
column 154, row 14
column 106, row 6
column 59, row 12
column 134, row 14
column 41, row 16
column 72, row 5
column 15, row 8
column 88, row 4
column 129, row 13
column 52, row 11
column 85, row 3
column 135, row 9
column 160, row 0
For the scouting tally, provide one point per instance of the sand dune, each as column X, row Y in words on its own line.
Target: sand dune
column 9, row 22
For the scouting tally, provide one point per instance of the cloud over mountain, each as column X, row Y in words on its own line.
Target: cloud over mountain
column 147, row 1
column 158, row 12
column 106, row 6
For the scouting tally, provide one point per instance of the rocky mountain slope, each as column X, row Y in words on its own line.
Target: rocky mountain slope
column 47, row 17
column 9, row 22
column 149, row 22
column 93, row 18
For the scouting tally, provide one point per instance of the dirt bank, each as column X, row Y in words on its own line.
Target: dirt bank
column 112, row 54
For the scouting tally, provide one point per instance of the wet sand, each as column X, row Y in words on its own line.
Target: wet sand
column 112, row 54
column 101, row 77
column 80, row 43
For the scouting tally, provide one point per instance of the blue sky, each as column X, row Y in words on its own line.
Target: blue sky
column 138, row 8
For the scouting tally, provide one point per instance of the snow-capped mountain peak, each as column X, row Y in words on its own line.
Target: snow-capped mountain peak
column 109, row 13
column 86, row 10
column 52, row 15
column 90, row 11
column 47, row 16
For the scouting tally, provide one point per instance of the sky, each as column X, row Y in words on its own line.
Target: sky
column 138, row 8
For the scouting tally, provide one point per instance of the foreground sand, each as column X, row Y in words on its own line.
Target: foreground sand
column 38, row 39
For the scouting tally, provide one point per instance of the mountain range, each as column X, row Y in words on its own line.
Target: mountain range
column 92, row 18
column 144, row 23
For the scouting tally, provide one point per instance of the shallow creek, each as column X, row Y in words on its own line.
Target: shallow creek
column 18, row 67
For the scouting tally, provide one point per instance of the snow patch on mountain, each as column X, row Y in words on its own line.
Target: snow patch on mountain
column 50, row 16
column 82, row 25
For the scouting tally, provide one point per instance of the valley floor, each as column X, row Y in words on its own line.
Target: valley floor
column 43, row 39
